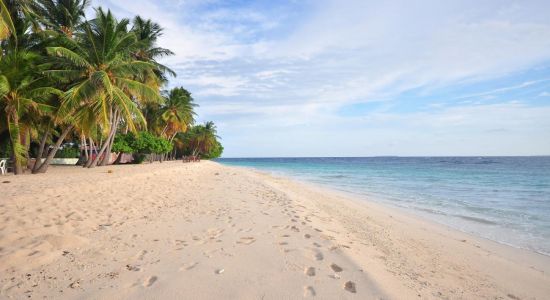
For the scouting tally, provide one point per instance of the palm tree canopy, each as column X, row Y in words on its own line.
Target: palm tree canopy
column 177, row 112
column 101, row 71
column 147, row 33
column 61, row 15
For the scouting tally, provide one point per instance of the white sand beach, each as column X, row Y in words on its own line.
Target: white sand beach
column 178, row 230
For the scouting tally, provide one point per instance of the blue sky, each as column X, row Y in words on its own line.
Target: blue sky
column 360, row 77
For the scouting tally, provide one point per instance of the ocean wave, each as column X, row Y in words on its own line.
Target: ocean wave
column 477, row 219
column 334, row 176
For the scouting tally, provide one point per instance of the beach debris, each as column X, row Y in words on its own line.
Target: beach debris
column 220, row 271
column 334, row 276
column 6, row 181
column 350, row 287
column 110, row 171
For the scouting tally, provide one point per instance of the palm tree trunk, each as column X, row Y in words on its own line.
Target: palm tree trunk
column 83, row 141
column 44, row 166
column 103, row 147
column 26, row 141
column 107, row 157
column 15, row 142
column 41, row 149
column 118, row 158
column 91, row 158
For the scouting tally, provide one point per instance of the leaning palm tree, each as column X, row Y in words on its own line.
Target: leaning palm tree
column 147, row 33
column 105, row 80
column 22, row 90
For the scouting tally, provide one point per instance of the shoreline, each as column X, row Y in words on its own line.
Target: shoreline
column 146, row 231
column 511, row 255
column 387, row 204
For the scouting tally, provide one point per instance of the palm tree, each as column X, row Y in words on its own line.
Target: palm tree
column 22, row 90
column 62, row 18
column 104, row 78
column 177, row 112
column 203, row 138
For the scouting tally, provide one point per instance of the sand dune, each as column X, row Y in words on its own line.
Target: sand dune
column 206, row 231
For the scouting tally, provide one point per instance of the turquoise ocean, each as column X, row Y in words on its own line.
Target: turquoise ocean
column 504, row 199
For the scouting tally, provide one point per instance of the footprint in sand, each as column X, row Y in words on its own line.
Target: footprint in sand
column 132, row 268
column 350, row 287
column 309, row 291
column 317, row 255
column 307, row 235
column 141, row 255
column 188, row 267
column 310, row 271
column 336, row 268
column 247, row 240
column 149, row 281
column 295, row 229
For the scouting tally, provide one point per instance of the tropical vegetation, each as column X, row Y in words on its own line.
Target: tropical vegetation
column 97, row 84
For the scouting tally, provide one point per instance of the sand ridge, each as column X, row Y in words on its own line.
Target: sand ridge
column 207, row 231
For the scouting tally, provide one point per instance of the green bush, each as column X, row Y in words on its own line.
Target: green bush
column 141, row 144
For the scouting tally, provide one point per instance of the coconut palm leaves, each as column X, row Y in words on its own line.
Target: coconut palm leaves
column 177, row 112
column 147, row 33
column 61, row 15
column 6, row 23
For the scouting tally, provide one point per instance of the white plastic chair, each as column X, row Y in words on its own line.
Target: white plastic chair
column 3, row 166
